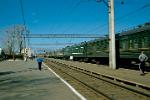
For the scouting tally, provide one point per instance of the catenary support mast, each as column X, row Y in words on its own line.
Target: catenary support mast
column 112, row 47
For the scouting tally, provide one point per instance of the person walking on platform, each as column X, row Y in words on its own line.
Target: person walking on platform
column 142, row 58
column 40, row 60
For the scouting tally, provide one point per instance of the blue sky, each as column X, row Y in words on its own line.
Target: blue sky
column 71, row 17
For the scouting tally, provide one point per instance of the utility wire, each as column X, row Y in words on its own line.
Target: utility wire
column 122, row 17
column 78, row 3
column 132, row 12
column 24, row 22
column 72, row 10
column 22, row 13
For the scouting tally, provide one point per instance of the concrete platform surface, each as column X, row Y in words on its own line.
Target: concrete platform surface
column 21, row 80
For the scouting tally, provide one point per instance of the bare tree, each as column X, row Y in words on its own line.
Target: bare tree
column 19, row 29
column 9, row 41
column 13, row 39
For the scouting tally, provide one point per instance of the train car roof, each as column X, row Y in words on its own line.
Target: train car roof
column 136, row 30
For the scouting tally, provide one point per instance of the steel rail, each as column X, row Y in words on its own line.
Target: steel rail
column 104, row 78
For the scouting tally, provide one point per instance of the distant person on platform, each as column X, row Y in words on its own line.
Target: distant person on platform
column 40, row 60
column 25, row 58
column 142, row 58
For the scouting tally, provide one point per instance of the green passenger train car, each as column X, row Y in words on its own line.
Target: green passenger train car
column 129, row 44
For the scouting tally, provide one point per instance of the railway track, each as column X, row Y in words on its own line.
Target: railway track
column 94, row 87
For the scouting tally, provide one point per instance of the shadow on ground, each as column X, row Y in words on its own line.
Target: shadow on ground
column 6, row 73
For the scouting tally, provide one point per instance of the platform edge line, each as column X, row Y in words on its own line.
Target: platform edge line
column 70, row 87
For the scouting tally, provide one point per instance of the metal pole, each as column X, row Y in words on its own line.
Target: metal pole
column 112, row 52
column 24, row 23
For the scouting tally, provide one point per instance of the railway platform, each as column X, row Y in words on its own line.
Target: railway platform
column 128, row 76
column 21, row 80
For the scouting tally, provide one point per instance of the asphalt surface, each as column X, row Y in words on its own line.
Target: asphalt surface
column 21, row 80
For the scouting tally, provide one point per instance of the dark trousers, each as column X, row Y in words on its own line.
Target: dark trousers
column 142, row 67
column 40, row 65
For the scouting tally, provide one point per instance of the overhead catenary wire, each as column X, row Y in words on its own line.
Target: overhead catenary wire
column 77, row 4
column 120, row 18
column 24, row 23
column 22, row 13
column 72, row 10
column 133, row 12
